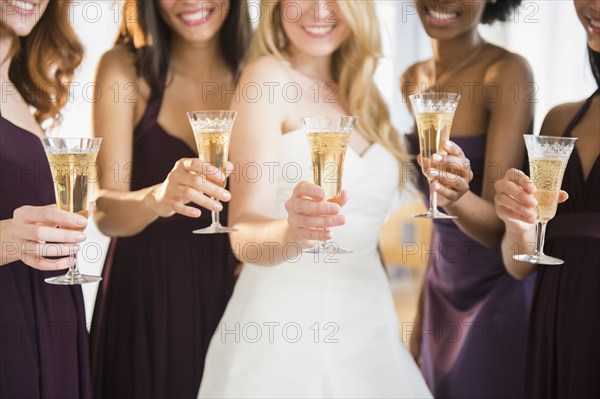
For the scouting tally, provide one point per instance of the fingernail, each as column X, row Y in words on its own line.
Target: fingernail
column 226, row 196
column 436, row 186
column 339, row 219
column 196, row 212
column 80, row 237
column 448, row 144
column 81, row 221
column 436, row 157
column 217, row 206
column 532, row 201
column 76, row 248
column 332, row 207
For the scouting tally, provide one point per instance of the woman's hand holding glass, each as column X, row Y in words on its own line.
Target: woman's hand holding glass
column 452, row 173
column 35, row 233
column 309, row 214
column 190, row 181
column 515, row 201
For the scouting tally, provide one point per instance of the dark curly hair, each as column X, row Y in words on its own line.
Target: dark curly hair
column 499, row 11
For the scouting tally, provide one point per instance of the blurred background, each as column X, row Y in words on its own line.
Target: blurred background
column 547, row 33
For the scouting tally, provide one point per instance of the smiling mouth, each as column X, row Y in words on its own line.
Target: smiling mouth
column 594, row 23
column 22, row 6
column 198, row 16
column 441, row 15
column 319, row 30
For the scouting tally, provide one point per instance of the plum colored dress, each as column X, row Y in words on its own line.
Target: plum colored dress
column 164, row 289
column 43, row 337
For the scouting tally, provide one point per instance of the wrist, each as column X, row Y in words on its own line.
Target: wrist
column 149, row 202
column 456, row 206
column 11, row 250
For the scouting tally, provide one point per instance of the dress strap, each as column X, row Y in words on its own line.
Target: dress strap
column 579, row 115
column 150, row 116
column 155, row 101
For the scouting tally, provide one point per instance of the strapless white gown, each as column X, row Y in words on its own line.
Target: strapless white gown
column 318, row 325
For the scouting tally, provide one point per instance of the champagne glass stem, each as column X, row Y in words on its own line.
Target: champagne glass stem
column 73, row 269
column 215, row 217
column 540, row 236
column 432, row 199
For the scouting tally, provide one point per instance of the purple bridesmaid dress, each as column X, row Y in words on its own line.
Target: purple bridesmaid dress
column 474, row 315
column 563, row 357
column 43, row 337
column 164, row 289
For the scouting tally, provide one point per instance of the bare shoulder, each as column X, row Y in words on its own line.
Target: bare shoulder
column 508, row 67
column 264, row 69
column 119, row 63
column 558, row 118
column 410, row 78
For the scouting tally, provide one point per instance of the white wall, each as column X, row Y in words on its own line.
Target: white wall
column 547, row 33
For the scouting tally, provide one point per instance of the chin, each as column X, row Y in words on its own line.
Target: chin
column 21, row 29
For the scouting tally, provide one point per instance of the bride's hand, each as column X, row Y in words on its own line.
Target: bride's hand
column 309, row 214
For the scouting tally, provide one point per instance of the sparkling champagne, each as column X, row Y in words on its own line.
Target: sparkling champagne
column 213, row 147
column 328, row 151
column 433, row 127
column 547, row 175
column 72, row 174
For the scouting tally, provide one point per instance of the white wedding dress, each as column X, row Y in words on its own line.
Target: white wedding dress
column 318, row 325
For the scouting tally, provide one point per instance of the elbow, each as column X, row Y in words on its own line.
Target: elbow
column 517, row 275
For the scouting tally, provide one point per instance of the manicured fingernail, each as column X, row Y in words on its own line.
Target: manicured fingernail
column 448, row 145
column 332, row 207
column 436, row 158
column 196, row 212
column 339, row 219
column 80, row 237
column 436, row 186
column 217, row 206
column 81, row 221
column 226, row 196
column 532, row 201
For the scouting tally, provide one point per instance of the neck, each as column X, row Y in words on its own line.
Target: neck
column 5, row 45
column 314, row 67
column 196, row 59
column 449, row 53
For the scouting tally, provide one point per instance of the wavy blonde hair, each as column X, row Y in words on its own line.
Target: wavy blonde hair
column 353, row 68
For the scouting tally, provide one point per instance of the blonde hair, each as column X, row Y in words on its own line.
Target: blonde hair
column 353, row 68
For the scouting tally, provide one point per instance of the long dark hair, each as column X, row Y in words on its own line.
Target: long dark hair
column 45, row 61
column 595, row 64
column 145, row 32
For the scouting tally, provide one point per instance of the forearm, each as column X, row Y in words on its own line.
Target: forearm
column 263, row 241
column 477, row 218
column 517, row 243
column 124, row 213
column 9, row 252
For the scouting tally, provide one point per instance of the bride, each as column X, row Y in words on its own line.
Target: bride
column 300, row 324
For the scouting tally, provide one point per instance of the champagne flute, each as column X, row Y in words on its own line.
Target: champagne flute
column 73, row 165
column 328, row 138
column 548, row 158
column 212, row 131
column 434, row 112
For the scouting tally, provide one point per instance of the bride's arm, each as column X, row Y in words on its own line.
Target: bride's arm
column 256, row 140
